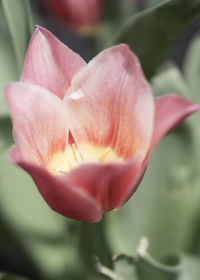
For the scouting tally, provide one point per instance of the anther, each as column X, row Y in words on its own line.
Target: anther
column 59, row 170
column 74, row 151
column 104, row 155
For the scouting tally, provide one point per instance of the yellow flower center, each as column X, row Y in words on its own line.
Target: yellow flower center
column 63, row 162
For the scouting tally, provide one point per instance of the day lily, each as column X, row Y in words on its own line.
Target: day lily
column 82, row 15
column 85, row 132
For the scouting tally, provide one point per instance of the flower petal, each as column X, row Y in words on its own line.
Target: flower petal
column 170, row 111
column 76, row 13
column 111, row 104
column 39, row 121
column 49, row 63
column 108, row 184
column 61, row 196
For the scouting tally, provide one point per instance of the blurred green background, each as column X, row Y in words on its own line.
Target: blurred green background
column 37, row 243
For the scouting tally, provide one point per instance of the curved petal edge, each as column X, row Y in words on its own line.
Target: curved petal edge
column 171, row 110
column 49, row 63
column 62, row 196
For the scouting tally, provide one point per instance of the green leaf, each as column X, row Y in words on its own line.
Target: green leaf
column 5, row 132
column 7, row 276
column 125, row 267
column 169, row 80
column 8, row 69
column 42, row 240
column 190, row 267
column 165, row 207
column 140, row 267
column 151, row 3
column 116, row 13
column 119, row 9
column 149, row 268
column 20, row 24
column 192, row 72
column 192, row 68
column 105, row 270
column 152, row 33
column 143, row 267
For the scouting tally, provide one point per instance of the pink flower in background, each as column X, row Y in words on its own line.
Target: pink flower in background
column 79, row 14
column 85, row 132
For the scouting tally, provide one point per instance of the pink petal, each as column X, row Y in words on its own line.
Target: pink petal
column 171, row 110
column 111, row 104
column 39, row 121
column 49, row 63
column 109, row 184
column 61, row 196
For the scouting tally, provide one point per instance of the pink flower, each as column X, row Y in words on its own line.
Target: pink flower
column 85, row 132
column 79, row 14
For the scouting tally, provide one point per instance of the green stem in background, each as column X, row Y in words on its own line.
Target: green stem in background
column 93, row 243
column 20, row 25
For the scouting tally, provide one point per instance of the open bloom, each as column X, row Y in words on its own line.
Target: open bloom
column 83, row 15
column 85, row 132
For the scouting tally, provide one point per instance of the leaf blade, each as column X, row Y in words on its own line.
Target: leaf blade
column 19, row 20
column 152, row 32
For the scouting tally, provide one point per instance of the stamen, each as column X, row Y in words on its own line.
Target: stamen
column 81, row 158
column 64, row 161
column 74, row 150
column 104, row 155
column 59, row 170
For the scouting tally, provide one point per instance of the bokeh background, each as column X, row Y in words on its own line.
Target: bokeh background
column 37, row 243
